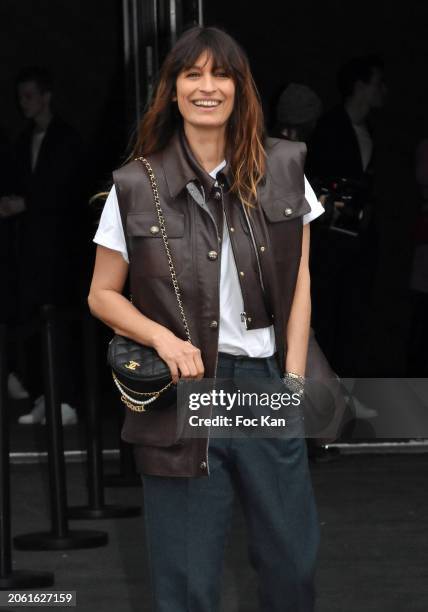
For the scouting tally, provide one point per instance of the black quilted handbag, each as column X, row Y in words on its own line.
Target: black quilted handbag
column 140, row 375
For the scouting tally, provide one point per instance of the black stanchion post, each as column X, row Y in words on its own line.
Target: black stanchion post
column 127, row 476
column 96, row 508
column 10, row 579
column 59, row 538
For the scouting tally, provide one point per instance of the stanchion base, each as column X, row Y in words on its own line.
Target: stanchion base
column 26, row 579
column 105, row 512
column 120, row 480
column 72, row 540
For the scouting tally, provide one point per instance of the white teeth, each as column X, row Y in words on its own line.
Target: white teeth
column 206, row 102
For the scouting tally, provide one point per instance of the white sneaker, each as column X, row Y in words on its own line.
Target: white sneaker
column 15, row 388
column 37, row 415
column 68, row 415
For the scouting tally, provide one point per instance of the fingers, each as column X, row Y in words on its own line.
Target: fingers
column 183, row 359
column 187, row 368
column 174, row 371
column 191, row 366
column 199, row 365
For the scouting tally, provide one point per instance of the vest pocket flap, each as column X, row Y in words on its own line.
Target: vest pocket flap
column 286, row 207
column 146, row 224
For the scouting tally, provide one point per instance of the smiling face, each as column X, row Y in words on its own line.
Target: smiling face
column 205, row 94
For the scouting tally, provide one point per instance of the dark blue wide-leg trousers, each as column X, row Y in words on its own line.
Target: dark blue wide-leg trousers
column 187, row 519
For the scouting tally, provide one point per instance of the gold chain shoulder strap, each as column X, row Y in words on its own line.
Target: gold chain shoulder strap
column 161, row 220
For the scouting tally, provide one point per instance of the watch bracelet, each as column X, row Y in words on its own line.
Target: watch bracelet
column 294, row 382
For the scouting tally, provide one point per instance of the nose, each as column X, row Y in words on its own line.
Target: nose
column 207, row 84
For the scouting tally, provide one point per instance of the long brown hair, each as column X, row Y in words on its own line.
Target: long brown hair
column 245, row 128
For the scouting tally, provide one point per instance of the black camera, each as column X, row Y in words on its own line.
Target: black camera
column 346, row 208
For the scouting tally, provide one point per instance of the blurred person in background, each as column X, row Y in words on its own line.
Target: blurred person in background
column 6, row 233
column 342, row 142
column 45, row 201
column 8, row 303
column 297, row 112
column 344, row 255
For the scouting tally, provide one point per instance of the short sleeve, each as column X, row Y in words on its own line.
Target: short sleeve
column 317, row 208
column 110, row 232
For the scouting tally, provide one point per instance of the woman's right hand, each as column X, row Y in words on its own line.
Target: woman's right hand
column 183, row 359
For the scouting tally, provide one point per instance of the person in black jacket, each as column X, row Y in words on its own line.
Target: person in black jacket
column 340, row 153
column 45, row 202
column 341, row 144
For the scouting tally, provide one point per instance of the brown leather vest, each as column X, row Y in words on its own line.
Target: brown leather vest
column 266, row 243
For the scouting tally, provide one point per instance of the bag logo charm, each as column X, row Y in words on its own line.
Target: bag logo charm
column 132, row 365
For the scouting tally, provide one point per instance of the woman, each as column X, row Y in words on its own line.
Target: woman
column 233, row 203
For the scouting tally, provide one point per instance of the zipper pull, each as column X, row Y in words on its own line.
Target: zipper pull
column 244, row 319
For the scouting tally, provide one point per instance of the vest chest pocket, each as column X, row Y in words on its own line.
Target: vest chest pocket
column 146, row 246
column 284, row 221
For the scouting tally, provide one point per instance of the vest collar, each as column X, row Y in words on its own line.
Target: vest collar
column 181, row 167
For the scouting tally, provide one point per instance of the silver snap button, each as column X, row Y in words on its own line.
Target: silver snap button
column 288, row 212
column 203, row 465
column 214, row 324
column 212, row 255
column 217, row 195
column 154, row 229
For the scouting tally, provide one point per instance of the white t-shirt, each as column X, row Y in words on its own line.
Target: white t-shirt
column 36, row 144
column 233, row 337
column 365, row 143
